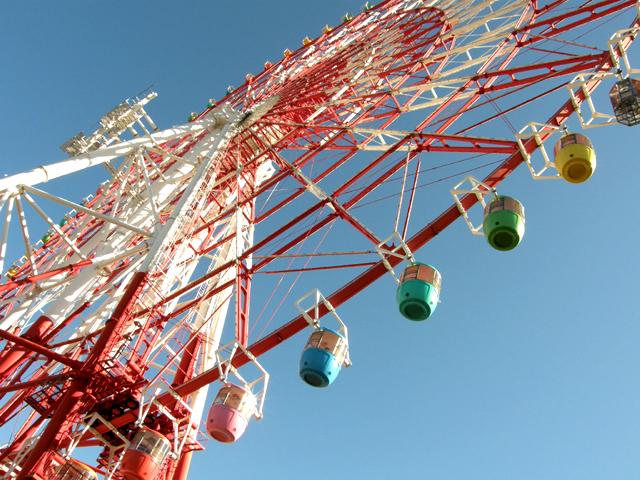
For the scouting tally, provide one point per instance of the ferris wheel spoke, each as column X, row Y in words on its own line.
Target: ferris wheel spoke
column 379, row 139
column 559, row 24
column 163, row 152
column 250, row 251
column 417, row 143
column 330, row 201
column 406, row 69
column 154, row 166
column 8, row 202
column 87, row 211
column 122, row 178
column 548, row 70
column 53, row 225
column 150, row 193
column 24, row 229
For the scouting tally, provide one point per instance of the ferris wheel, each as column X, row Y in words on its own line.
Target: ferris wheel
column 113, row 321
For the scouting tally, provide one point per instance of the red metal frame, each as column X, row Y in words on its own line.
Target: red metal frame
column 64, row 398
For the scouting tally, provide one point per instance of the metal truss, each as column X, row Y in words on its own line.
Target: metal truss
column 115, row 317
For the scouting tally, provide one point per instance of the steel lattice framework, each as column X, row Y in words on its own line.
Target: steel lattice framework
column 114, row 319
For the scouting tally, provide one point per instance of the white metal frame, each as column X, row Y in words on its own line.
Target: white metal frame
column 116, row 452
column 618, row 51
column 587, row 112
column 153, row 403
column 400, row 250
column 472, row 186
column 257, row 387
column 545, row 170
column 590, row 117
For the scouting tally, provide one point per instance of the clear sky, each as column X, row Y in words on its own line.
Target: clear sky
column 528, row 370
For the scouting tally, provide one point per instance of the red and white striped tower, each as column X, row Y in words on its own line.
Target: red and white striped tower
column 114, row 319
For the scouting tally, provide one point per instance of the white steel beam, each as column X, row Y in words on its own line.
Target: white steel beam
column 86, row 210
column 103, row 155
column 5, row 232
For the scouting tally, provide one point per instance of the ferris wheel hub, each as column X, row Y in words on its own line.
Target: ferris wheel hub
column 259, row 111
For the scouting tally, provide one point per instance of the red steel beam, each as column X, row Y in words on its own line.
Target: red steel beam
column 74, row 399
column 35, row 382
column 23, row 342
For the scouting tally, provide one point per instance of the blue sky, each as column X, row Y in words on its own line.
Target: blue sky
column 528, row 369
